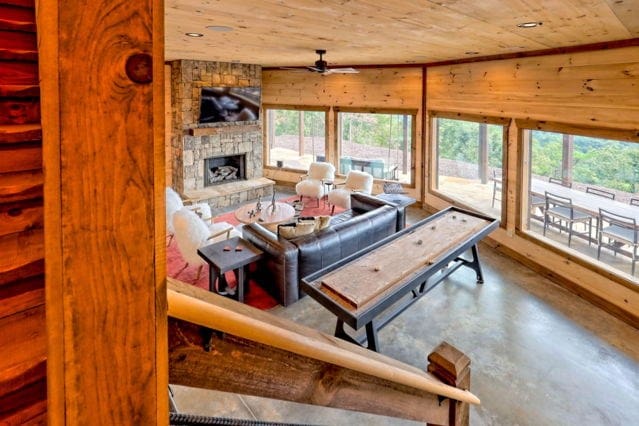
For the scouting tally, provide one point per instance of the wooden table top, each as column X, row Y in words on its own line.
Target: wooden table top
column 227, row 260
column 268, row 216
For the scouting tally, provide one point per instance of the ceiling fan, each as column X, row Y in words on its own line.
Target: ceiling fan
column 321, row 66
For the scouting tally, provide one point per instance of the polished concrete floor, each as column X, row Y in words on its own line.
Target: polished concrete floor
column 540, row 355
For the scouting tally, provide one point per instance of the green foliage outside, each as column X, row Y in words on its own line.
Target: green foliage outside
column 287, row 122
column 607, row 163
column 459, row 141
column 381, row 130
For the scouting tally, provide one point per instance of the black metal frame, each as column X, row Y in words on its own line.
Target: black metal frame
column 377, row 315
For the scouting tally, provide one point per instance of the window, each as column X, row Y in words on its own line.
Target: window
column 572, row 177
column 469, row 163
column 377, row 143
column 296, row 138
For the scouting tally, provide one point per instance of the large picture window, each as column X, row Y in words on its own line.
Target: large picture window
column 295, row 138
column 469, row 163
column 583, row 194
column 377, row 143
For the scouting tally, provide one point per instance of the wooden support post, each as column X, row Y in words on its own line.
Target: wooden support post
column 452, row 367
column 405, row 144
column 483, row 153
column 566, row 159
column 301, row 133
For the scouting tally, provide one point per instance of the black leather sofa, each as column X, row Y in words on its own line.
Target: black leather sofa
column 286, row 262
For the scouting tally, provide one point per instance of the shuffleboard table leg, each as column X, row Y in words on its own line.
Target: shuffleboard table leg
column 476, row 265
column 371, row 337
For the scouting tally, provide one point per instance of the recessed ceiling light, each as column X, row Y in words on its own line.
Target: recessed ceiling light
column 219, row 28
column 194, row 34
column 529, row 24
column 471, row 52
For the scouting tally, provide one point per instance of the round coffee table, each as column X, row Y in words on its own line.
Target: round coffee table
column 267, row 216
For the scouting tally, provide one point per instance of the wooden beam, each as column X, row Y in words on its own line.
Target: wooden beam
column 243, row 366
column 567, row 149
column 103, row 125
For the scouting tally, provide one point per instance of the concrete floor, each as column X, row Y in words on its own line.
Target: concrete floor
column 540, row 355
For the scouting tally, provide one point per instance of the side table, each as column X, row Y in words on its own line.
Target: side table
column 328, row 184
column 224, row 256
column 399, row 200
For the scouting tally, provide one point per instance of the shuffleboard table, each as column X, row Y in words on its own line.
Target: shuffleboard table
column 371, row 287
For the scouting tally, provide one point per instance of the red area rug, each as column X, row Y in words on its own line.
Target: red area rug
column 256, row 296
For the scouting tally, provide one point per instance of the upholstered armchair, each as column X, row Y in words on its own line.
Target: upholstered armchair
column 174, row 203
column 356, row 181
column 312, row 184
column 191, row 233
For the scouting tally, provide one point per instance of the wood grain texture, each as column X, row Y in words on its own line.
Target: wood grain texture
column 590, row 88
column 21, row 186
column 19, row 158
column 104, row 280
column 16, row 45
column 20, row 133
column 242, row 366
column 16, row 18
column 21, row 295
column 19, row 111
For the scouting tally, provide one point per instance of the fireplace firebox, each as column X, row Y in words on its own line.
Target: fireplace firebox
column 229, row 168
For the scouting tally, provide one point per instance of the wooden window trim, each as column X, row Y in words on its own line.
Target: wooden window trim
column 265, row 130
column 395, row 111
column 432, row 165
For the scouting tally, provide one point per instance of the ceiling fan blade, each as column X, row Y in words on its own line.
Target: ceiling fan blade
column 343, row 70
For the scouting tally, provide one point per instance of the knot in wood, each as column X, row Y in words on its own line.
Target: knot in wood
column 139, row 68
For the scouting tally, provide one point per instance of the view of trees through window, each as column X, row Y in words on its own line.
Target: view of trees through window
column 296, row 138
column 377, row 143
column 469, row 163
column 606, row 163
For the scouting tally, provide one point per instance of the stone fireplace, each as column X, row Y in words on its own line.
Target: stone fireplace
column 197, row 148
column 224, row 169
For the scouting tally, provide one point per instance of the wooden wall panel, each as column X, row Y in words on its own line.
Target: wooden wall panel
column 589, row 88
column 22, row 310
column 399, row 88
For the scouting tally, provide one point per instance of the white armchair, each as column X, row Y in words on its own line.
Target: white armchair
column 191, row 233
column 356, row 181
column 174, row 203
column 312, row 184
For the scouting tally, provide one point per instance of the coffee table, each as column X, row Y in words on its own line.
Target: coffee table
column 371, row 287
column 267, row 216
column 223, row 256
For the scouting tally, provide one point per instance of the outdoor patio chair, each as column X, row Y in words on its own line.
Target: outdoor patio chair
column 634, row 201
column 561, row 209
column 600, row 192
column 560, row 182
column 537, row 202
column 619, row 231
column 497, row 185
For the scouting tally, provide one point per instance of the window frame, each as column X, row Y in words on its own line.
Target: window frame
column 433, row 169
column 266, row 132
column 525, row 127
column 413, row 112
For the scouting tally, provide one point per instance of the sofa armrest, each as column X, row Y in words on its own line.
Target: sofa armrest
column 279, row 267
column 362, row 203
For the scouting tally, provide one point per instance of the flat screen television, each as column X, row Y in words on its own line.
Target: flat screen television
column 228, row 104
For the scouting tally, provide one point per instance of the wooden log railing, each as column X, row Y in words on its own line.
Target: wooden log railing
column 217, row 343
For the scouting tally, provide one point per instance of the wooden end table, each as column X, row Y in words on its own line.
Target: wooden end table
column 224, row 256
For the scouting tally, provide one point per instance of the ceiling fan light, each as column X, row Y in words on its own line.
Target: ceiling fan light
column 194, row 34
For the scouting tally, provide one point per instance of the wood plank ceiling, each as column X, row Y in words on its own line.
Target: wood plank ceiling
column 286, row 33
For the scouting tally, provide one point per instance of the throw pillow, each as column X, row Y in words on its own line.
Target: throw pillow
column 293, row 230
column 319, row 222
